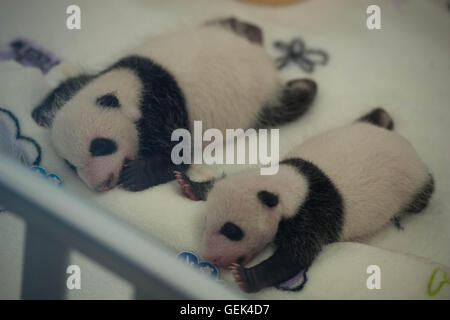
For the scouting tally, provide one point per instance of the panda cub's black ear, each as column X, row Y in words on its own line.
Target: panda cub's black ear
column 44, row 113
column 268, row 198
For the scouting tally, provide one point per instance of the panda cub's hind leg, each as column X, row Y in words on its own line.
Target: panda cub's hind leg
column 295, row 100
column 419, row 202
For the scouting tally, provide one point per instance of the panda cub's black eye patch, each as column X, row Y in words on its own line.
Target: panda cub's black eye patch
column 108, row 100
column 232, row 231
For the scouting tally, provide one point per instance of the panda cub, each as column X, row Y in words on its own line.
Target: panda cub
column 114, row 127
column 340, row 185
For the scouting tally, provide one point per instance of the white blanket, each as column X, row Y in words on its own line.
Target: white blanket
column 404, row 67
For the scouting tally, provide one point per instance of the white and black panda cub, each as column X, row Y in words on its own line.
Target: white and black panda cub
column 115, row 127
column 340, row 185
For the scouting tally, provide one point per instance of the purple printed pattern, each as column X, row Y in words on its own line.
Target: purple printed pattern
column 296, row 283
column 6, row 54
column 27, row 54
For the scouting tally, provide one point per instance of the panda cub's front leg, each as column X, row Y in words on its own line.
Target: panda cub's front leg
column 278, row 268
column 146, row 172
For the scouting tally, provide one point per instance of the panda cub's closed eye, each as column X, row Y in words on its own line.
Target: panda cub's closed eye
column 108, row 100
column 268, row 198
column 232, row 231
column 102, row 147
column 71, row 166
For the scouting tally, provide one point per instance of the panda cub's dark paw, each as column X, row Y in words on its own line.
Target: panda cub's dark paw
column 143, row 173
column 240, row 277
column 133, row 176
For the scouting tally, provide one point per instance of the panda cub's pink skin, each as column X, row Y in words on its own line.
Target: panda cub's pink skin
column 340, row 185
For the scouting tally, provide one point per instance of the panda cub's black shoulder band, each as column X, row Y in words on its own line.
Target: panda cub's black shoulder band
column 321, row 214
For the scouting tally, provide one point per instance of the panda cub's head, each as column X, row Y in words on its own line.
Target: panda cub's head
column 243, row 213
column 95, row 130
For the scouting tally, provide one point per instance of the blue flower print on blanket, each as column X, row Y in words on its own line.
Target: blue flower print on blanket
column 49, row 176
column 205, row 267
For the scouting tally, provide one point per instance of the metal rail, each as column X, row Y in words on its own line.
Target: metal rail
column 58, row 221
